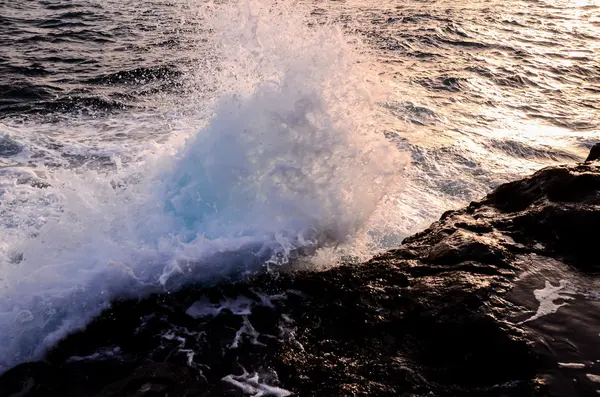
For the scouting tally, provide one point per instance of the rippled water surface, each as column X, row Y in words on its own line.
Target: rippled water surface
column 138, row 139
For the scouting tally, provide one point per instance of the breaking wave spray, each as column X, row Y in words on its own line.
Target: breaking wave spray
column 289, row 162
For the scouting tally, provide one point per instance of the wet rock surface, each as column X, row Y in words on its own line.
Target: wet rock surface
column 498, row 299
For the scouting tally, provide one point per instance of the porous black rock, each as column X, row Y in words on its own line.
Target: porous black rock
column 451, row 312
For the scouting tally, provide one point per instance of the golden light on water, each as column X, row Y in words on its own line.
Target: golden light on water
column 586, row 2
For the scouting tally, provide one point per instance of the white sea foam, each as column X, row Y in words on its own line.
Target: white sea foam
column 547, row 297
column 593, row 377
column 250, row 384
column 291, row 159
column 246, row 329
column 571, row 365
column 239, row 306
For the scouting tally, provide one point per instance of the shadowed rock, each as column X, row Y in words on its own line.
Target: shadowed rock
column 479, row 304
column 594, row 153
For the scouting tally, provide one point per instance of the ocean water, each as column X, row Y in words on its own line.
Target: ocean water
column 146, row 145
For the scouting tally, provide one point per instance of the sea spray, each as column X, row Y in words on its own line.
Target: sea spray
column 291, row 160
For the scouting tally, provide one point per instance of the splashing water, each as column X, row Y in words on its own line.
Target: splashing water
column 290, row 160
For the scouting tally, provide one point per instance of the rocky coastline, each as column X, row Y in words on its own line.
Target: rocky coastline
column 501, row 298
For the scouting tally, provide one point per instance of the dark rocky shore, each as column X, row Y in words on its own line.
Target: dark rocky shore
column 468, row 307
